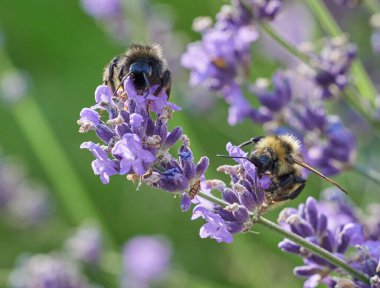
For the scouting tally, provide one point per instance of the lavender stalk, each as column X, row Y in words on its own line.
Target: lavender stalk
column 362, row 80
column 314, row 248
column 296, row 239
column 284, row 43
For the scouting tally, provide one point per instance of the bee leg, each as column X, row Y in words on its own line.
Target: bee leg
column 252, row 140
column 111, row 69
column 285, row 183
column 166, row 82
column 297, row 192
column 121, row 74
column 290, row 196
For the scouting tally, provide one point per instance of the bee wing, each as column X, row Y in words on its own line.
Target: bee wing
column 308, row 167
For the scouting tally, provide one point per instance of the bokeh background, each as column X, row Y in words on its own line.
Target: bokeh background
column 60, row 52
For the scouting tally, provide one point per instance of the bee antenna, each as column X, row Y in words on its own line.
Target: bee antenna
column 121, row 83
column 234, row 157
column 250, row 141
column 147, row 84
column 308, row 167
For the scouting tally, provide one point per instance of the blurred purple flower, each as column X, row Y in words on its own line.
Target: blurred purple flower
column 334, row 64
column 22, row 202
column 86, row 245
column 14, row 85
column 375, row 37
column 294, row 102
column 101, row 9
column 295, row 24
column 47, row 271
column 240, row 108
column 338, row 208
column 375, row 42
column 265, row 9
column 223, row 56
column 348, row 3
column 277, row 99
column 146, row 259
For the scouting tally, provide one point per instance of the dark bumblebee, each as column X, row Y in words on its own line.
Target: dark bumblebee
column 280, row 158
column 144, row 64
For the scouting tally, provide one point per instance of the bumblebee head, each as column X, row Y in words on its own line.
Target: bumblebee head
column 141, row 72
column 264, row 162
column 140, row 68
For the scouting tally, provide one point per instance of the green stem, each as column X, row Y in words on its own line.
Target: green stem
column 284, row 43
column 361, row 78
column 42, row 140
column 213, row 199
column 50, row 153
column 298, row 240
column 314, row 249
column 367, row 172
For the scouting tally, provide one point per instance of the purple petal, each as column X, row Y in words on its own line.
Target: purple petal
column 312, row 282
column 307, row 271
column 229, row 195
column 201, row 167
column 311, row 212
column 172, row 138
column 185, row 203
column 103, row 94
column 104, row 133
column 235, row 227
column 90, row 115
column 135, row 120
column 215, row 227
column 241, row 215
column 102, row 165
column 157, row 103
column 289, row 247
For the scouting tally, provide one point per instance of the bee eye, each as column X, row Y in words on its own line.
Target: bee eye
column 266, row 163
column 140, row 68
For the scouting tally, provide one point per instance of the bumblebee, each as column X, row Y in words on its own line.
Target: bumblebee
column 280, row 158
column 144, row 64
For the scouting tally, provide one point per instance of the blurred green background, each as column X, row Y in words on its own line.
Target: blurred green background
column 64, row 50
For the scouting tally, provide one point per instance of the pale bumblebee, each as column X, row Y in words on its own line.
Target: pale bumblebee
column 280, row 158
column 144, row 64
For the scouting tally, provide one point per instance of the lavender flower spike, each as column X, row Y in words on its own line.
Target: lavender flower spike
column 134, row 138
column 244, row 199
column 310, row 223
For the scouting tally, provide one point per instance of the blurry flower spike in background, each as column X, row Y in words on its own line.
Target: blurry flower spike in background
column 240, row 69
